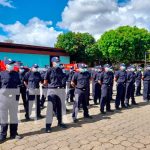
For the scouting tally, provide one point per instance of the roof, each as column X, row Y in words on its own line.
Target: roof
column 31, row 49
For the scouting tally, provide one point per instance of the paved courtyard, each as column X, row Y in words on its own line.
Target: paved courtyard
column 125, row 129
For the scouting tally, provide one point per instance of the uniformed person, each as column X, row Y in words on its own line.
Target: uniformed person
column 146, row 84
column 43, row 88
column 88, row 86
column 112, row 80
column 130, row 86
column 69, row 87
column 32, row 80
column 80, row 81
column 105, row 81
column 9, row 97
column 96, row 85
column 22, row 72
column 121, row 78
column 138, row 81
column 53, row 78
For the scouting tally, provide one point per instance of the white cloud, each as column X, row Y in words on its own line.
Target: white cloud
column 6, row 3
column 35, row 32
column 97, row 16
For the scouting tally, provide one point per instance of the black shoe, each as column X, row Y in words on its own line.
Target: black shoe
column 134, row 104
column 17, row 137
column 2, row 139
column 27, row 118
column 48, row 130
column 102, row 112
column 40, row 117
column 75, row 120
column 62, row 125
column 118, row 108
column 88, row 117
column 110, row 110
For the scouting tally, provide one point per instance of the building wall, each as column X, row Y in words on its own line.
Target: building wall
column 30, row 59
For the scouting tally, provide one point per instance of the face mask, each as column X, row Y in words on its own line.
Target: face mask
column 99, row 70
column 132, row 69
column 21, row 70
column 107, row 69
column 10, row 67
column 57, row 65
column 63, row 70
column 139, row 69
column 82, row 70
column 123, row 68
column 85, row 69
column 34, row 69
column 111, row 70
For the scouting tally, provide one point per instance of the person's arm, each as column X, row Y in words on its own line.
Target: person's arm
column 25, row 79
column 100, row 79
column 116, row 76
column 46, row 77
column 74, row 80
column 144, row 75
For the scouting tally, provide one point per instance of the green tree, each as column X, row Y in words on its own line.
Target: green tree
column 125, row 44
column 80, row 46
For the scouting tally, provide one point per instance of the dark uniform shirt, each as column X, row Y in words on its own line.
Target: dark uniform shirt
column 81, row 80
column 121, row 76
column 64, row 79
column 21, row 75
column 138, row 75
column 9, row 79
column 33, row 79
column 54, row 77
column 105, row 78
column 70, row 75
column 146, row 75
column 96, row 76
column 130, row 77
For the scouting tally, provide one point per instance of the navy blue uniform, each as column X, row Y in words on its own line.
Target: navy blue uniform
column 88, row 88
column 96, row 87
column 70, row 89
column 81, row 80
column 112, row 83
column 23, row 89
column 9, row 82
column 33, row 80
column 138, row 83
column 44, row 90
column 121, row 78
column 54, row 76
column 130, row 88
column 146, row 84
column 105, row 78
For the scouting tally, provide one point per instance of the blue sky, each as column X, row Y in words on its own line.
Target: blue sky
column 40, row 22
column 26, row 9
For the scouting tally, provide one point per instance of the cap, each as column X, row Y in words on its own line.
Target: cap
column 82, row 66
column 55, row 59
column 99, row 67
column 132, row 66
column 35, row 66
column 9, row 61
column 106, row 66
column 122, row 65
